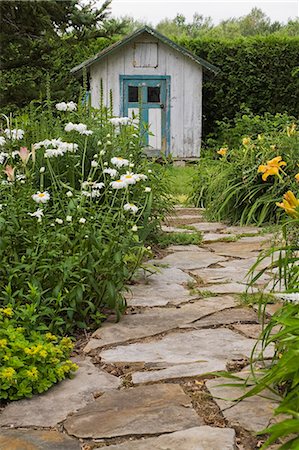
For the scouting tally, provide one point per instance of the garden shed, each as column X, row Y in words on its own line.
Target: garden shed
column 157, row 80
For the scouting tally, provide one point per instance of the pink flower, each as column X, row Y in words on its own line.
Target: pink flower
column 10, row 172
column 24, row 154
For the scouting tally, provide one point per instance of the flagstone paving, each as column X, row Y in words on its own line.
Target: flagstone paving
column 184, row 322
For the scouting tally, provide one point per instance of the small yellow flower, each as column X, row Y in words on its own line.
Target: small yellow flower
column 272, row 167
column 67, row 343
column 291, row 130
column 32, row 374
column 297, row 177
column 8, row 373
column 43, row 353
column 246, row 141
column 8, row 312
column 51, row 337
column 222, row 151
column 3, row 343
column 290, row 204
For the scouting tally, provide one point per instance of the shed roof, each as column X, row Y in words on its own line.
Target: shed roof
column 116, row 46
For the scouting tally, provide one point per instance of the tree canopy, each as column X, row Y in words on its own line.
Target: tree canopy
column 40, row 38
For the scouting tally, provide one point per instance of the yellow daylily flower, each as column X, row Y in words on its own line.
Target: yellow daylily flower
column 291, row 130
column 271, row 168
column 222, row 151
column 290, row 204
column 246, row 141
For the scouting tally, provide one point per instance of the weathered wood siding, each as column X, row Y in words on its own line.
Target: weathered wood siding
column 185, row 89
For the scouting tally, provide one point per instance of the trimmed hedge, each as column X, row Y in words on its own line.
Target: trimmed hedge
column 258, row 73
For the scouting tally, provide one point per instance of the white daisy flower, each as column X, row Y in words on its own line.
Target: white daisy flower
column 62, row 106
column 131, row 207
column 69, row 194
column 16, row 134
column 86, row 193
column 118, row 184
column 94, row 163
column 59, row 221
column 112, row 172
column 134, row 228
column 69, row 218
column 140, row 176
column 41, row 197
column 71, row 106
column 95, row 193
column 3, row 157
column 147, row 189
column 129, row 178
column 119, row 162
column 38, row 213
column 98, row 185
column 82, row 220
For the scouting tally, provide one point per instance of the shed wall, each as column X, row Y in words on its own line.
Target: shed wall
column 185, row 90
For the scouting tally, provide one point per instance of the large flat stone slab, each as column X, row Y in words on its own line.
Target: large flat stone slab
column 192, row 260
column 214, row 237
column 36, row 440
column 198, row 438
column 185, row 354
column 247, row 229
column 136, row 411
column 220, row 275
column 246, row 247
column 52, row 407
column 227, row 317
column 253, row 413
column 209, row 227
column 156, row 320
column 228, row 288
column 170, row 229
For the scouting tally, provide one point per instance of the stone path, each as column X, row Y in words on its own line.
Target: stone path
column 146, row 383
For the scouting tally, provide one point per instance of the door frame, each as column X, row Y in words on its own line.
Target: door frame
column 165, row 129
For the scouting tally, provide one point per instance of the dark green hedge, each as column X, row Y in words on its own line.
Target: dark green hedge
column 258, row 73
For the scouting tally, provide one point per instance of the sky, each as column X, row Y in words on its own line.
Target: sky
column 153, row 11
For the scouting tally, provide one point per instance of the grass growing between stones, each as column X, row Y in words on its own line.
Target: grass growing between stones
column 163, row 240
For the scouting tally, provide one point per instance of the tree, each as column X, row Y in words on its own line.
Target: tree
column 40, row 38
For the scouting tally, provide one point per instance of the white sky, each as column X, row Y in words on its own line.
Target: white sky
column 152, row 11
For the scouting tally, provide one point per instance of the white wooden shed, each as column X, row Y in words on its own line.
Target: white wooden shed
column 154, row 78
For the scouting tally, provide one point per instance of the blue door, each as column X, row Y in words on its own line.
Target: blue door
column 148, row 98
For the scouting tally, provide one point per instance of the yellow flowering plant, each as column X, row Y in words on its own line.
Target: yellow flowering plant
column 30, row 361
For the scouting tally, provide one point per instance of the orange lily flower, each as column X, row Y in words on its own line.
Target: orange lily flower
column 290, row 204
column 272, row 167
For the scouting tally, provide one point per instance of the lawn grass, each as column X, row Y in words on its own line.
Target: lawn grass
column 181, row 182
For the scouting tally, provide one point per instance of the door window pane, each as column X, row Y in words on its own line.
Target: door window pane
column 133, row 94
column 153, row 94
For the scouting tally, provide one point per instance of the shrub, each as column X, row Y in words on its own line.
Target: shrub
column 31, row 362
column 71, row 235
column 234, row 186
column 258, row 72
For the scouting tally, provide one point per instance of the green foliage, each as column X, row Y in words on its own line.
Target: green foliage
column 163, row 240
column 256, row 72
column 40, row 38
column 70, row 259
column 232, row 189
column 31, row 361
